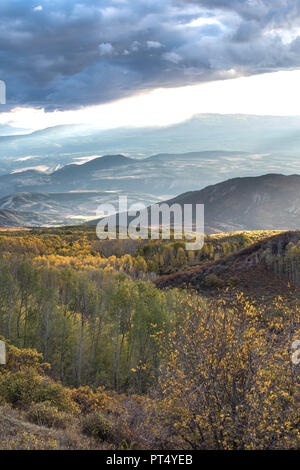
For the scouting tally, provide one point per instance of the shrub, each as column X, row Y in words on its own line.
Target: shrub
column 18, row 359
column 44, row 414
column 227, row 381
column 97, row 425
column 211, row 280
column 233, row 281
column 26, row 386
column 29, row 441
column 86, row 399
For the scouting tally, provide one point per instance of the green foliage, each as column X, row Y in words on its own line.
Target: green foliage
column 82, row 320
column 23, row 381
column 26, row 386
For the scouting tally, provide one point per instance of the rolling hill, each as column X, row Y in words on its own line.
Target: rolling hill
column 248, row 270
column 12, row 218
column 61, row 145
column 268, row 202
column 159, row 175
column 86, row 176
column 71, row 204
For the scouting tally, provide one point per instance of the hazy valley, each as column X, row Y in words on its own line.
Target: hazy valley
column 72, row 194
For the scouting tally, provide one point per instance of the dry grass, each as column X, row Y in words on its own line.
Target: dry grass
column 18, row 434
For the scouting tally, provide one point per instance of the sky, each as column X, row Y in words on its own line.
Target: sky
column 146, row 62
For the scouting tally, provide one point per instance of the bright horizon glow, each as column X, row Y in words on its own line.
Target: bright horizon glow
column 274, row 94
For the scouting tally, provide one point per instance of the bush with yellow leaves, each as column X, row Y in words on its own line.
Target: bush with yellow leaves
column 228, row 381
column 23, row 382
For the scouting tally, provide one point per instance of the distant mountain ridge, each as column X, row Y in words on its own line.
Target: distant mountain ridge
column 158, row 175
column 267, row 202
column 271, row 201
column 61, row 145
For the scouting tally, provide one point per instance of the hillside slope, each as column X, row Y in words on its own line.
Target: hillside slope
column 17, row 433
column 268, row 202
column 249, row 270
column 69, row 204
column 13, row 218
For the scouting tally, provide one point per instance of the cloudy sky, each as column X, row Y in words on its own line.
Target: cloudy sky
column 74, row 60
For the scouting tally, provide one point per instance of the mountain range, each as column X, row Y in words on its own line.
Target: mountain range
column 267, row 202
column 60, row 173
column 272, row 137
column 72, row 194
column 270, row 202
column 160, row 175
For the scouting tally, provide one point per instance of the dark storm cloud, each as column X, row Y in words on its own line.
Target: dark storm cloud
column 71, row 53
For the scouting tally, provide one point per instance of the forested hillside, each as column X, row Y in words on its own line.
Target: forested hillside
column 101, row 356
